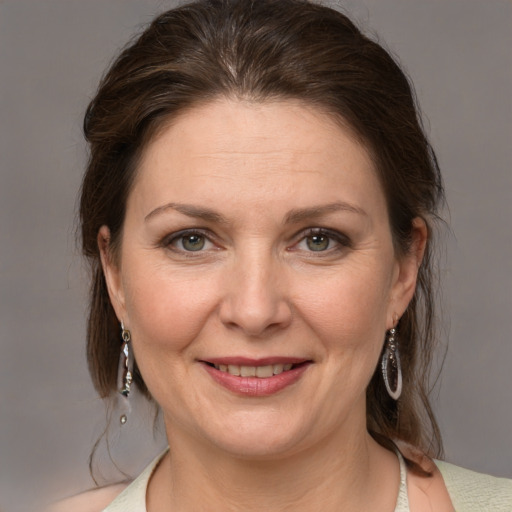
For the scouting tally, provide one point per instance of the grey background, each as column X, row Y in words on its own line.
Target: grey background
column 52, row 53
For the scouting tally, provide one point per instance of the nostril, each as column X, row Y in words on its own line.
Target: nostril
column 255, row 316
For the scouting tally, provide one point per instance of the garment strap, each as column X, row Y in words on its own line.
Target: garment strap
column 402, row 502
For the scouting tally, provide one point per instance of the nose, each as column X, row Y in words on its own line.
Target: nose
column 256, row 299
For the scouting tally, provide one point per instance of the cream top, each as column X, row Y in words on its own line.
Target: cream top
column 469, row 491
column 133, row 498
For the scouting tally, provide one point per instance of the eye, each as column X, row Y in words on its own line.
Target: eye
column 318, row 242
column 322, row 240
column 189, row 241
column 193, row 242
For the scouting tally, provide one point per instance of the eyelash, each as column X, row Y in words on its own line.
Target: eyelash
column 341, row 241
column 181, row 235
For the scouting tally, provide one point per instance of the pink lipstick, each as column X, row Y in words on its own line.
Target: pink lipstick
column 256, row 377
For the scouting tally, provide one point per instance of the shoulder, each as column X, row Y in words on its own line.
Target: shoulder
column 120, row 497
column 94, row 500
column 471, row 491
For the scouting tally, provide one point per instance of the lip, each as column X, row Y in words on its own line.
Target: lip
column 256, row 386
column 248, row 361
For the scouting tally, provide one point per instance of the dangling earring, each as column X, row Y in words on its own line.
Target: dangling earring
column 390, row 366
column 125, row 373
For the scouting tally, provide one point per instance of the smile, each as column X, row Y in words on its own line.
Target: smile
column 262, row 372
column 256, row 380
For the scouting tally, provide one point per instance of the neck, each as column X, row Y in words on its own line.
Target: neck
column 350, row 474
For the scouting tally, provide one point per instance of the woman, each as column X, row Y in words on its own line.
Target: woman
column 258, row 210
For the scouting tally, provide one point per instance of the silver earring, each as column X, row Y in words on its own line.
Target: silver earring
column 390, row 366
column 125, row 373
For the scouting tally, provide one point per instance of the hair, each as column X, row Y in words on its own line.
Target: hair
column 266, row 50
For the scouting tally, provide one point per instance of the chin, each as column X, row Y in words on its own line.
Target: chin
column 257, row 448
column 258, row 436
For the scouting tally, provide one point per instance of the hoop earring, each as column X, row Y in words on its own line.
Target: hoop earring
column 390, row 366
column 125, row 374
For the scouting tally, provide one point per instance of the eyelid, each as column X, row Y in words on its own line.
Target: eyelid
column 168, row 240
column 339, row 238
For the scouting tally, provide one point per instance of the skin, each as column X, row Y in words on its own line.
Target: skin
column 267, row 173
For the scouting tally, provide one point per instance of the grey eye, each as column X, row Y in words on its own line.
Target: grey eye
column 193, row 242
column 318, row 242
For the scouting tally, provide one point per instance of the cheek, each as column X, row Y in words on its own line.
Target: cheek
column 166, row 318
column 167, row 312
column 348, row 315
column 348, row 302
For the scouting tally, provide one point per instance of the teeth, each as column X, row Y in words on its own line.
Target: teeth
column 254, row 371
column 264, row 371
column 277, row 368
column 233, row 369
column 247, row 371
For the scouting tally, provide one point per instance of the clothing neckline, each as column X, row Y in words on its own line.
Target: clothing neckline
column 133, row 498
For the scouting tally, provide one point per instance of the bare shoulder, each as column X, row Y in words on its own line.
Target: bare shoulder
column 94, row 500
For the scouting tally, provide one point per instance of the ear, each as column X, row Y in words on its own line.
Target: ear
column 406, row 272
column 112, row 272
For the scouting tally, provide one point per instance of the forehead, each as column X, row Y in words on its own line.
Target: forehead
column 255, row 153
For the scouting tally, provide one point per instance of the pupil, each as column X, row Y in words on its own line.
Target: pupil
column 193, row 242
column 318, row 242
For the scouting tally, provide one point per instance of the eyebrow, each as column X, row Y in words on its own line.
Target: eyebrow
column 300, row 214
column 293, row 217
column 189, row 210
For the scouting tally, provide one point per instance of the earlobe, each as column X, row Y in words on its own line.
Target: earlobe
column 407, row 270
column 111, row 272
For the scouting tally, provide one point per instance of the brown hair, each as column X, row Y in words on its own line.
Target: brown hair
column 261, row 50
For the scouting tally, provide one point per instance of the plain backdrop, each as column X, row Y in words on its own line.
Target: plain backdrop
column 52, row 54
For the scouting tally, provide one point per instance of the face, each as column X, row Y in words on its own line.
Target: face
column 257, row 276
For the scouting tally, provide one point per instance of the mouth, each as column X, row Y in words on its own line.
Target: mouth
column 250, row 377
column 260, row 372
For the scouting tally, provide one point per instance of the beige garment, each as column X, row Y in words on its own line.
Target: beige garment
column 476, row 492
column 469, row 491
